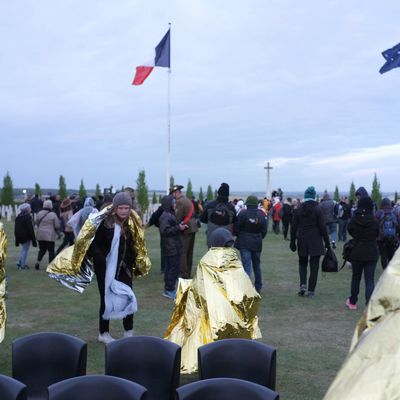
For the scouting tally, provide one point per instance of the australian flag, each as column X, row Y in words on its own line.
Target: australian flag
column 392, row 57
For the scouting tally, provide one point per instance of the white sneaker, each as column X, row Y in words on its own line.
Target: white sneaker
column 105, row 338
column 128, row 333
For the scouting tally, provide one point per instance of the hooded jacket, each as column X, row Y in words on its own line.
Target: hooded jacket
column 169, row 228
column 386, row 207
column 364, row 229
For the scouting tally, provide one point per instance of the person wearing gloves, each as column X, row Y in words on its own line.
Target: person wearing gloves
column 309, row 230
column 112, row 243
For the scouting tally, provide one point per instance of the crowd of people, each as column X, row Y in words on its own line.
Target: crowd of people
column 311, row 227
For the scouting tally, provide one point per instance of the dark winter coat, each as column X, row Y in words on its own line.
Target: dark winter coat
column 155, row 217
column 23, row 230
column 327, row 208
column 308, row 227
column 251, row 228
column 36, row 204
column 169, row 229
column 364, row 229
column 287, row 212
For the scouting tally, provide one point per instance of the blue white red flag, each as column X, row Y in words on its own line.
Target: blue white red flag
column 161, row 59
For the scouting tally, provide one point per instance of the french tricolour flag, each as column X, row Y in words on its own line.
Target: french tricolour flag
column 162, row 59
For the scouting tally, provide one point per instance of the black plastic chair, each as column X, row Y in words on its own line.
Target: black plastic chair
column 97, row 387
column 11, row 389
column 41, row 359
column 147, row 360
column 225, row 389
column 238, row 358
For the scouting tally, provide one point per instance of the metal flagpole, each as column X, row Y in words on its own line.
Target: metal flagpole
column 169, row 122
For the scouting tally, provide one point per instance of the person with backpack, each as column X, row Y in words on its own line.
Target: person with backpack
column 364, row 229
column 251, row 228
column 388, row 239
column 219, row 213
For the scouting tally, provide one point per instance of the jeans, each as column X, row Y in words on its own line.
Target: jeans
column 171, row 272
column 369, row 271
column 252, row 257
column 24, row 254
column 343, row 229
column 331, row 228
column 314, row 267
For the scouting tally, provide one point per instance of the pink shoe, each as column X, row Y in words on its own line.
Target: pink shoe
column 351, row 306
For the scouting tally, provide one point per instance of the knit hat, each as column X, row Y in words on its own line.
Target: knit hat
column 48, row 204
column 223, row 190
column 221, row 237
column 251, row 201
column 366, row 204
column 310, row 194
column 122, row 199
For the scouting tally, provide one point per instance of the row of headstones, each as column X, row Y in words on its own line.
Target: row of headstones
column 6, row 212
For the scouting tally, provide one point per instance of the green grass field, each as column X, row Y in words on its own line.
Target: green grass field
column 312, row 336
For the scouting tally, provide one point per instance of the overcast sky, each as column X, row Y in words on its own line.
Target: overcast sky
column 293, row 83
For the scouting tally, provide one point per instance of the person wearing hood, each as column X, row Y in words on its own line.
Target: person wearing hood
column 388, row 239
column 77, row 220
column 220, row 302
column 219, row 213
column 24, row 234
column 327, row 207
column 308, row 227
column 251, row 228
column 364, row 229
column 170, row 232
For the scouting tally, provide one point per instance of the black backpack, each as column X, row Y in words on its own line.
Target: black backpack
column 253, row 222
column 220, row 215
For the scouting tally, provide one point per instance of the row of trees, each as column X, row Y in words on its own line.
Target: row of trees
column 142, row 191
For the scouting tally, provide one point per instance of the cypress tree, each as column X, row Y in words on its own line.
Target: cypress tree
column 201, row 195
column 38, row 190
column 171, row 181
column 142, row 191
column 376, row 194
column 189, row 190
column 62, row 188
column 7, row 194
column 210, row 194
column 160, row 198
column 396, row 197
column 98, row 191
column 352, row 193
column 336, row 195
column 154, row 199
column 82, row 191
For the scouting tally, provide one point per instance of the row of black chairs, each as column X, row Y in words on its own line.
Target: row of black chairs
column 104, row 387
column 43, row 360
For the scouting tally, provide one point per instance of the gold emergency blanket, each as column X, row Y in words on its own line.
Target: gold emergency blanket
column 3, row 256
column 220, row 302
column 74, row 269
column 372, row 367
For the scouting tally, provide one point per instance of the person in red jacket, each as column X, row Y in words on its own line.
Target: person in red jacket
column 276, row 215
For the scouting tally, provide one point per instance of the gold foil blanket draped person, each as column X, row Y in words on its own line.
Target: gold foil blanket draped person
column 74, row 268
column 220, row 302
column 3, row 256
column 372, row 367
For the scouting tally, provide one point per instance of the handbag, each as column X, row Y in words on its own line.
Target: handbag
column 329, row 263
column 346, row 253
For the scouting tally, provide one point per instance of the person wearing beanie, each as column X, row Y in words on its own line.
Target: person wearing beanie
column 251, row 228
column 220, row 302
column 48, row 224
column 364, row 229
column 309, row 231
column 219, row 213
column 112, row 241
column 24, row 234
column 388, row 239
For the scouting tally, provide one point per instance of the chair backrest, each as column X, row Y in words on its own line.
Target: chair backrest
column 147, row 360
column 41, row 359
column 11, row 389
column 238, row 358
column 225, row 389
column 97, row 387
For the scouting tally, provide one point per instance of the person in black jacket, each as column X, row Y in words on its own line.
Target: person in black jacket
column 155, row 220
column 24, row 234
column 287, row 215
column 364, row 229
column 170, row 230
column 308, row 227
column 251, row 228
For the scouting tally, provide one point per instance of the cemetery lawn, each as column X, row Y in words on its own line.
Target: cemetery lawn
column 312, row 336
